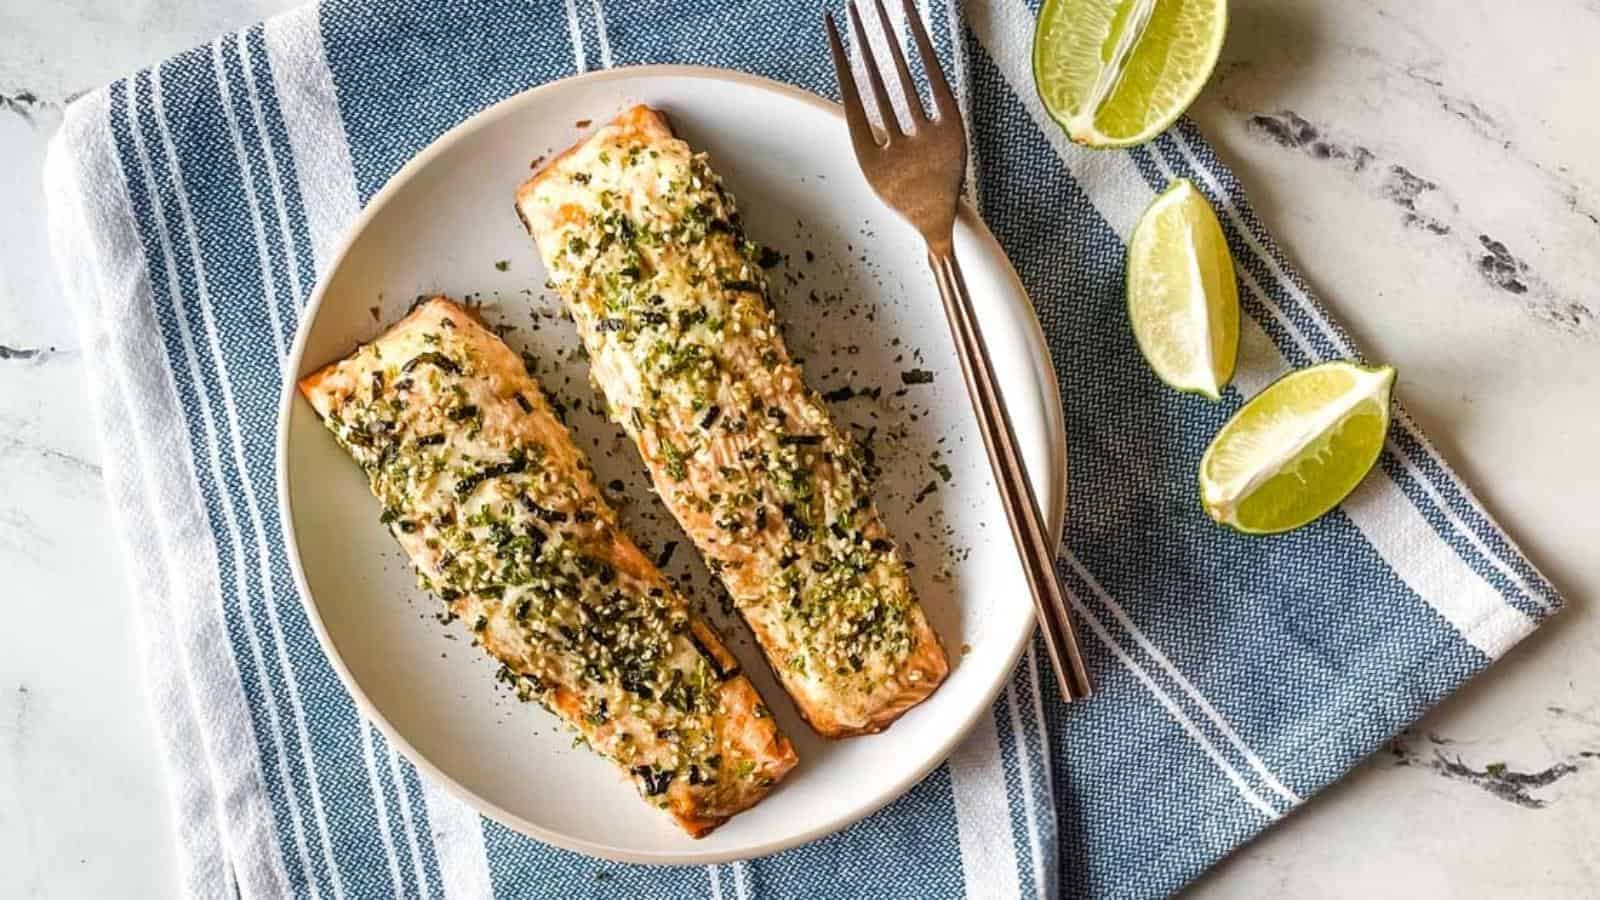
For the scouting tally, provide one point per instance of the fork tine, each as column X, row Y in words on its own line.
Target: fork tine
column 913, row 100
column 944, row 100
column 891, row 121
column 855, row 114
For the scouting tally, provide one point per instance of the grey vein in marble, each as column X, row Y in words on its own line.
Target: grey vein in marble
column 1462, row 108
column 7, row 353
column 17, row 447
column 1489, row 128
column 1503, row 270
column 1496, row 778
column 15, row 444
column 1290, row 130
column 1403, row 188
column 1424, row 205
column 20, row 719
column 23, row 103
column 1562, row 712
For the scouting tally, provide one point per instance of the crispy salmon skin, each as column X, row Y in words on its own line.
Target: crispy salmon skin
column 647, row 249
column 500, row 515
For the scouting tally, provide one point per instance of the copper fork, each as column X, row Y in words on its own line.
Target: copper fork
column 918, row 173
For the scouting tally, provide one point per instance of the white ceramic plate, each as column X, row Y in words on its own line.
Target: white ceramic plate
column 860, row 307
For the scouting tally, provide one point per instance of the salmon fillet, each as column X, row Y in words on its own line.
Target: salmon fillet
column 646, row 247
column 500, row 515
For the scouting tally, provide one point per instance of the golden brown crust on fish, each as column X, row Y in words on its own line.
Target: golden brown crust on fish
column 648, row 251
column 500, row 514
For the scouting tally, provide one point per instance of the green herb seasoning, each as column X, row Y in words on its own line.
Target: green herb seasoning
column 651, row 258
column 524, row 550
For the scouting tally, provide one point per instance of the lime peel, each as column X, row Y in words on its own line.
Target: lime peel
column 1269, row 437
column 1183, row 300
column 1160, row 55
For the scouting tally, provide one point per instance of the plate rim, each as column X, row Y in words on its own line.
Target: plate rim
column 1057, row 464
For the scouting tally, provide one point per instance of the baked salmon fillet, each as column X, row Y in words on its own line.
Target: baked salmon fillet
column 645, row 246
column 499, row 513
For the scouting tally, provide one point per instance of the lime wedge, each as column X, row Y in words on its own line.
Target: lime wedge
column 1183, row 301
column 1297, row 448
column 1117, row 72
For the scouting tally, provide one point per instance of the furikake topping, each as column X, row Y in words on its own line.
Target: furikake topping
column 521, row 551
column 670, row 288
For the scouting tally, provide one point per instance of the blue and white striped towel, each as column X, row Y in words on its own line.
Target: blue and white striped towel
column 192, row 206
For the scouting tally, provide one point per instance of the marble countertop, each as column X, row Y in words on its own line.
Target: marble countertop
column 1428, row 164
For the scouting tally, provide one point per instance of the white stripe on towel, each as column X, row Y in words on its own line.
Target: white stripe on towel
column 326, row 174
column 247, row 183
column 983, row 815
column 457, row 834
column 600, row 29
column 236, row 543
column 296, row 708
column 309, row 105
column 576, row 31
column 270, row 154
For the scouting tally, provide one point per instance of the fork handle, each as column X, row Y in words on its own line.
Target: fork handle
column 1016, row 492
